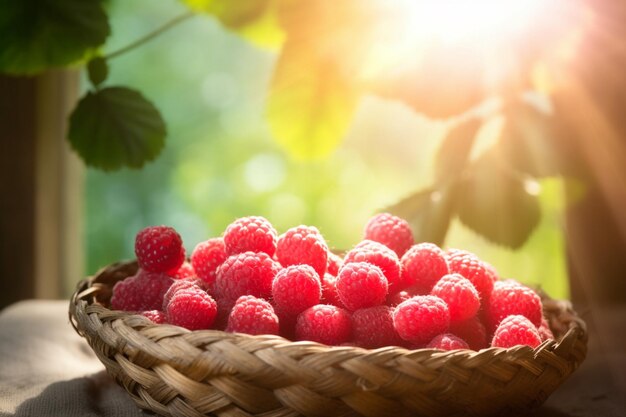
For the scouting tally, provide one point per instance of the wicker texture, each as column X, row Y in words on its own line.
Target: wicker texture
column 175, row 372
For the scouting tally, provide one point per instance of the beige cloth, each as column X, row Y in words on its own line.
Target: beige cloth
column 47, row 370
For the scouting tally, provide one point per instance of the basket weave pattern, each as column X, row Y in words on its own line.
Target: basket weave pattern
column 176, row 372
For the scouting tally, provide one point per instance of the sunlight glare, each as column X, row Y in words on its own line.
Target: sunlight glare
column 453, row 21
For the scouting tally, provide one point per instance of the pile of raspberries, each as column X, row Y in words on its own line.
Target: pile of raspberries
column 386, row 291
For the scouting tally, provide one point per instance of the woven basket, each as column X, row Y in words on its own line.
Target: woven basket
column 175, row 372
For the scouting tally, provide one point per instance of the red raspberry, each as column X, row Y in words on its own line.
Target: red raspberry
column 447, row 341
column 250, row 234
column 156, row 316
column 126, row 295
column 460, row 295
column 333, row 264
column 391, row 231
column 373, row 327
column 253, row 316
column 380, row 255
column 422, row 266
column 325, row 324
column 544, row 330
column 509, row 298
column 329, row 291
column 361, row 285
column 493, row 272
column 143, row 291
column 181, row 284
column 206, row 257
column 295, row 289
column 248, row 273
column 516, row 330
column 397, row 298
column 159, row 249
column 185, row 271
column 472, row 268
column 191, row 308
column 303, row 245
column 421, row 318
column 472, row 331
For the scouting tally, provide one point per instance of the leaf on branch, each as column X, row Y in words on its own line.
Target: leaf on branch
column 428, row 212
column 40, row 34
column 311, row 104
column 116, row 127
column 454, row 152
column 254, row 20
column 498, row 204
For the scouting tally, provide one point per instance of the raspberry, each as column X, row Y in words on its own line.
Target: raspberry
column 333, row 264
column 493, row 272
column 191, row 308
column 544, row 330
column 361, row 285
column 303, row 245
column 325, row 324
column 206, row 257
column 447, row 341
column 295, row 289
column 516, row 330
column 159, row 249
column 181, row 284
column 511, row 297
column 422, row 266
column 248, row 273
column 460, row 295
column 250, row 234
column 391, row 231
column 373, row 327
column 329, row 291
column 472, row 331
column 472, row 268
column 185, row 271
column 421, row 318
column 253, row 316
column 396, row 298
column 156, row 316
column 380, row 255
column 143, row 291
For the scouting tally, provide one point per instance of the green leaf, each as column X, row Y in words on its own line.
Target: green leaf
column 311, row 104
column 255, row 20
column 497, row 203
column 98, row 70
column 455, row 150
column 116, row 127
column 428, row 212
column 40, row 34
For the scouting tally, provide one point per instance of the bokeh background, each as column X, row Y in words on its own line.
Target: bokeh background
column 220, row 161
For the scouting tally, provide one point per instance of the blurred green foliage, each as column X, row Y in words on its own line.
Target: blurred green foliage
column 221, row 163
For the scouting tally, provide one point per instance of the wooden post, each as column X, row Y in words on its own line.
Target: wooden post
column 41, row 188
